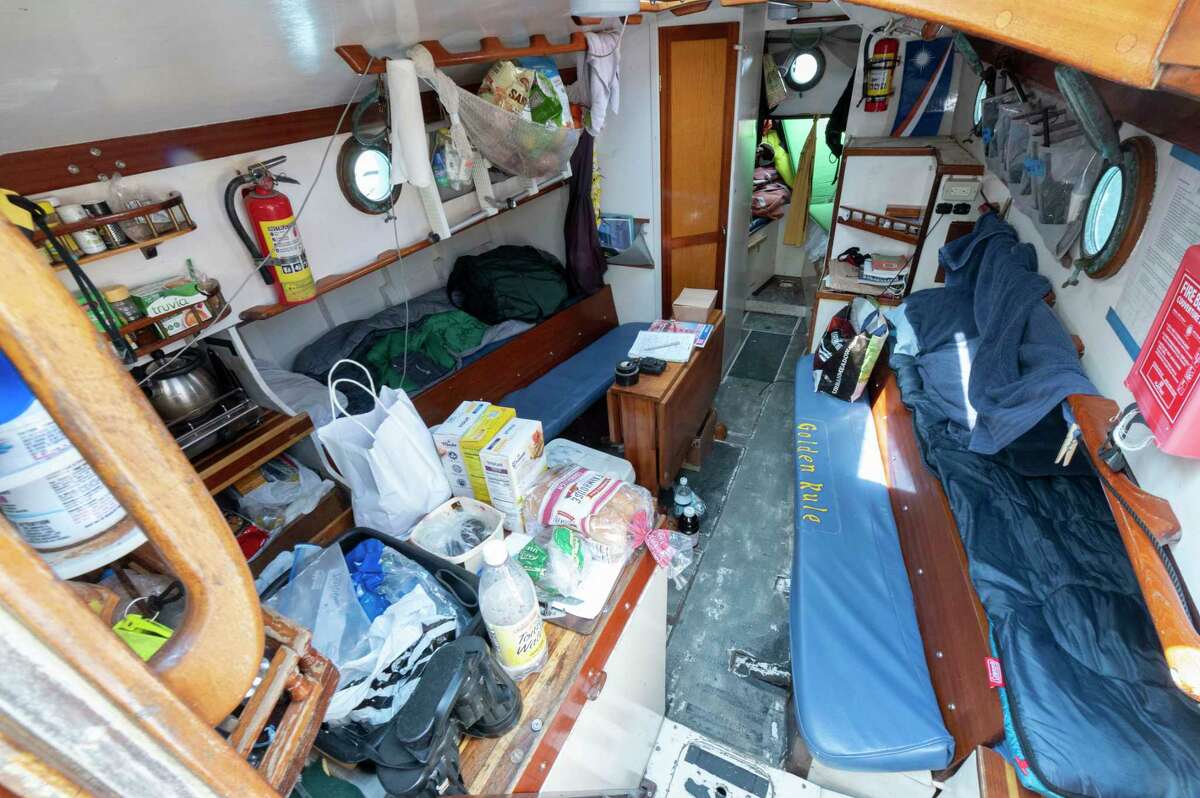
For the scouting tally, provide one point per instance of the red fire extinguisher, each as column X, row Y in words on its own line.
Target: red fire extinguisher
column 877, row 76
column 276, row 237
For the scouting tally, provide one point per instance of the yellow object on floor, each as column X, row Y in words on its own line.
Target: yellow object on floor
column 144, row 635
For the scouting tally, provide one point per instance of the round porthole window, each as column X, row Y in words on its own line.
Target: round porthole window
column 365, row 175
column 1102, row 211
column 804, row 69
column 981, row 94
column 1117, row 208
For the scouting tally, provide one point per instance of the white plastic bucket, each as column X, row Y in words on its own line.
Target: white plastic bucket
column 47, row 490
column 489, row 516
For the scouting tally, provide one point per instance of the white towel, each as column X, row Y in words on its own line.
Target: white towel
column 604, row 76
column 410, row 144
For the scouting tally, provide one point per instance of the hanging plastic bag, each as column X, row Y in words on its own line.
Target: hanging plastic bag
column 386, row 457
column 671, row 550
column 515, row 144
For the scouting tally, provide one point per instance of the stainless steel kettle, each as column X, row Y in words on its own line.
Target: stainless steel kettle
column 181, row 386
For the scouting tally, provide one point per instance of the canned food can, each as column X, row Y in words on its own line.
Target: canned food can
column 113, row 235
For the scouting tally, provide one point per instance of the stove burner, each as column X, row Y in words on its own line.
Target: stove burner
column 231, row 414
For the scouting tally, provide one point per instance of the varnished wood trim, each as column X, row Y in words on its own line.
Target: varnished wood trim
column 890, row 152
column 954, row 628
column 997, row 779
column 666, row 36
column 1171, row 617
column 36, row 171
column 214, row 655
column 521, row 360
column 223, row 466
column 555, row 737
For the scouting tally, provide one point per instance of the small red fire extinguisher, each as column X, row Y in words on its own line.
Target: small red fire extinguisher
column 275, row 232
column 877, row 77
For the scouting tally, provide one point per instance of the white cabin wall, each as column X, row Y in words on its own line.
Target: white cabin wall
column 839, row 63
column 629, row 153
column 336, row 237
column 1082, row 309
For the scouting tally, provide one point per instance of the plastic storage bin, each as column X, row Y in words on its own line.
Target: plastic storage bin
column 444, row 518
column 561, row 450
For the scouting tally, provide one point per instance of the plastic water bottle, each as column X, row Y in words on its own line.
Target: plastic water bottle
column 510, row 611
column 686, row 497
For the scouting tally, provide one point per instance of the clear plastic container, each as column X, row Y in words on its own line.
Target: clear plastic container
column 508, row 603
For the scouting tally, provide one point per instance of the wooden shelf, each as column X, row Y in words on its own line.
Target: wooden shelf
column 490, row 49
column 181, row 222
column 223, row 466
column 84, row 260
column 382, row 261
column 179, row 336
column 895, row 229
column 332, row 516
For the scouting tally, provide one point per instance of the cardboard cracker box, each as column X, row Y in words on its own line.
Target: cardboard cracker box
column 693, row 304
column 512, row 462
column 491, row 422
column 447, row 437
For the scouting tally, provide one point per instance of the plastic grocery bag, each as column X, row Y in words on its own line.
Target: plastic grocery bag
column 320, row 597
column 848, row 351
column 387, row 459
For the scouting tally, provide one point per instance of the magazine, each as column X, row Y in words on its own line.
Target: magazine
column 698, row 329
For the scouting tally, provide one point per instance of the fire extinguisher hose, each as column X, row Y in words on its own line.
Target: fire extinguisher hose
column 231, row 191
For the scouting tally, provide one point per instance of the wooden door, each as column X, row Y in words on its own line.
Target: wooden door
column 697, row 73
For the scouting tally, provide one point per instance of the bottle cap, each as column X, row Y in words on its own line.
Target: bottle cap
column 683, row 482
column 494, row 552
column 689, row 511
column 15, row 396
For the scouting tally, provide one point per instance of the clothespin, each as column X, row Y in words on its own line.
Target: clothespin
column 1069, row 445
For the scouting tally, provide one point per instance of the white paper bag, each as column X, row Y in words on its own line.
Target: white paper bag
column 387, row 459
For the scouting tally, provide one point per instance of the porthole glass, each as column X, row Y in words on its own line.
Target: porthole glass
column 980, row 95
column 365, row 175
column 804, row 69
column 1103, row 209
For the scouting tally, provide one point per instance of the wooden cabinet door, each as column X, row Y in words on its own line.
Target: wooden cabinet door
column 697, row 74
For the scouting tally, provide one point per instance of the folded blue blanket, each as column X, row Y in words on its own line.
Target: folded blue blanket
column 1025, row 363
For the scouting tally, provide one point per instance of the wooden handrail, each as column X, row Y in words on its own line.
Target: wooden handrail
column 1130, row 504
column 214, row 655
column 490, row 49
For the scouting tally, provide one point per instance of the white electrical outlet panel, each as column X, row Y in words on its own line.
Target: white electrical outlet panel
column 959, row 190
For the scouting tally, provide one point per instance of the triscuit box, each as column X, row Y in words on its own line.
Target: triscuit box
column 448, row 439
column 491, row 422
column 693, row 304
column 512, row 461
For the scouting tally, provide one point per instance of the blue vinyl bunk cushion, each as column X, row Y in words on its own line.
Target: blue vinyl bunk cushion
column 561, row 395
column 862, row 691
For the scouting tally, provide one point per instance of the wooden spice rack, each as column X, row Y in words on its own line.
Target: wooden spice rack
column 880, row 224
column 181, row 223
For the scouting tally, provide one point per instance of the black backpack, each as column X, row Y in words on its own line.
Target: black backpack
column 508, row 282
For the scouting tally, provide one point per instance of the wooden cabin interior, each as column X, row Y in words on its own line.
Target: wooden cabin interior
column 665, row 399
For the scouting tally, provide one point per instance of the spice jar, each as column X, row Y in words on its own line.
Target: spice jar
column 50, row 206
column 114, row 237
column 88, row 239
column 120, row 300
